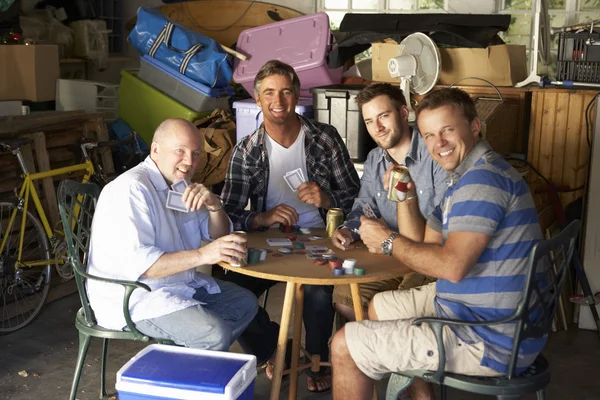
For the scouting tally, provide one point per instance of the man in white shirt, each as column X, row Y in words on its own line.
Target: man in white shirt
column 285, row 142
column 135, row 237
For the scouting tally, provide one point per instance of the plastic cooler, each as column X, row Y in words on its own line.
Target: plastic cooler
column 144, row 107
column 249, row 116
column 161, row 372
column 302, row 42
column 192, row 94
column 335, row 105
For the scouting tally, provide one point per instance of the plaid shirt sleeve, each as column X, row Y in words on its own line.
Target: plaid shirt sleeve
column 236, row 190
column 345, row 184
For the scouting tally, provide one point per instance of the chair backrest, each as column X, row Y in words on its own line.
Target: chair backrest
column 76, row 204
column 547, row 268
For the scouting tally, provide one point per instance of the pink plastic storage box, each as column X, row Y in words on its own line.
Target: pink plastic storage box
column 249, row 116
column 302, row 42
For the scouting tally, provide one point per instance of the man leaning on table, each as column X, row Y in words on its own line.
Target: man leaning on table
column 284, row 142
column 475, row 243
column 384, row 111
column 136, row 238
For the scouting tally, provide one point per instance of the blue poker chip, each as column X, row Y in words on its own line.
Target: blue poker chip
column 268, row 251
column 338, row 271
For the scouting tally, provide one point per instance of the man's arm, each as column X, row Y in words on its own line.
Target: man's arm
column 450, row 260
column 345, row 183
column 236, row 190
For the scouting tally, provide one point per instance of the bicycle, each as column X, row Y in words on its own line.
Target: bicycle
column 28, row 245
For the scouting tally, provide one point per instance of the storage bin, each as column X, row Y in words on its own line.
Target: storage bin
column 335, row 105
column 161, row 372
column 144, row 107
column 76, row 94
column 249, row 116
column 302, row 42
column 578, row 57
column 192, row 94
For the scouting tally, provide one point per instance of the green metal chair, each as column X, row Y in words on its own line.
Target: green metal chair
column 551, row 258
column 77, row 203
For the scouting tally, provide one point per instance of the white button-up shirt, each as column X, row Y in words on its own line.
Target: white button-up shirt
column 131, row 230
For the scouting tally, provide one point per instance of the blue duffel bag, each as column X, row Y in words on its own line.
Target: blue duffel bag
column 192, row 54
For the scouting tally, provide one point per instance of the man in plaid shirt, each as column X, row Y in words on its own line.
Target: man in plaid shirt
column 285, row 142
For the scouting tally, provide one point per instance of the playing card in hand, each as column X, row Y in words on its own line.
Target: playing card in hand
column 175, row 201
column 294, row 179
column 368, row 211
column 179, row 186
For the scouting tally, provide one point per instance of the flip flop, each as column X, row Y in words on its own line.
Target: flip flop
column 287, row 362
column 319, row 376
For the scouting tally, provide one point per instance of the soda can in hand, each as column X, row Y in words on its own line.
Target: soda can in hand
column 398, row 184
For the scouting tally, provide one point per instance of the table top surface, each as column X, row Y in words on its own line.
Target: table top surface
column 296, row 267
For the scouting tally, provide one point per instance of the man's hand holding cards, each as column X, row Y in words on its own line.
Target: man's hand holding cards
column 185, row 198
column 294, row 179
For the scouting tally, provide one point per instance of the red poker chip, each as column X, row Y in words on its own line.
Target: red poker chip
column 291, row 237
column 320, row 261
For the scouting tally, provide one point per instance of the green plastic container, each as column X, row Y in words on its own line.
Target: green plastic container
column 144, row 107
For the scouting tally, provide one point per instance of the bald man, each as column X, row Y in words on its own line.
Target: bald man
column 136, row 238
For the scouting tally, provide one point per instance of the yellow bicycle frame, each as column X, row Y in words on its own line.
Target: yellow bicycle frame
column 28, row 189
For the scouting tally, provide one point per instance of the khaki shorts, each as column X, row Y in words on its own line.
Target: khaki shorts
column 342, row 295
column 393, row 344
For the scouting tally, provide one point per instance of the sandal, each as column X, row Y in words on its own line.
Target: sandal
column 323, row 376
column 269, row 366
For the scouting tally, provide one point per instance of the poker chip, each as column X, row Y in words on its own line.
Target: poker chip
column 359, row 271
column 338, row 271
column 291, row 237
column 268, row 251
column 320, row 261
column 306, row 231
column 299, row 245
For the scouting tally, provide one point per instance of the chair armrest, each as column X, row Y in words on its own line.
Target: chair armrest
column 437, row 325
column 129, row 287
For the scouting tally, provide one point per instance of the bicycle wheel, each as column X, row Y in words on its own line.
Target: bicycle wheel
column 23, row 290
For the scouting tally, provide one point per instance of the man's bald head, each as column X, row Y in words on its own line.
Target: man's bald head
column 171, row 126
column 176, row 149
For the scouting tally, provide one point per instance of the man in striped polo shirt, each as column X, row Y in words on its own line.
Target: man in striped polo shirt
column 476, row 243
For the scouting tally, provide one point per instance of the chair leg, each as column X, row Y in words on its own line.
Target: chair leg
column 84, row 343
column 396, row 385
column 265, row 297
column 541, row 394
column 103, row 368
column 443, row 392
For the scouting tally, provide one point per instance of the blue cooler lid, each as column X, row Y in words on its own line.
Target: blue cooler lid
column 196, row 371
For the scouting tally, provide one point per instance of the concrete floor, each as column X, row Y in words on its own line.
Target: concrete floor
column 47, row 350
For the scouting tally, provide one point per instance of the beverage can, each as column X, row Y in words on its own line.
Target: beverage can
column 335, row 217
column 398, row 183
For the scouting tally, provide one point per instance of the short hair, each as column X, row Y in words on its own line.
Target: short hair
column 367, row 94
column 276, row 67
column 447, row 97
column 168, row 126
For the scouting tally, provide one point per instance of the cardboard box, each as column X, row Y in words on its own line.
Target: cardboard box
column 29, row 72
column 503, row 65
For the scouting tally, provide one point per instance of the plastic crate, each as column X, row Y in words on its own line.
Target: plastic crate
column 578, row 59
column 192, row 94
column 161, row 372
column 144, row 107
column 335, row 105
column 302, row 42
column 74, row 94
column 249, row 116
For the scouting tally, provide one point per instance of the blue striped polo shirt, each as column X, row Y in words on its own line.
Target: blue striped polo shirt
column 487, row 195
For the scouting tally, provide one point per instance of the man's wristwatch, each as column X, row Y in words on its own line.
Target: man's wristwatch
column 386, row 245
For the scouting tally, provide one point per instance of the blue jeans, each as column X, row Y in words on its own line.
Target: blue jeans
column 211, row 326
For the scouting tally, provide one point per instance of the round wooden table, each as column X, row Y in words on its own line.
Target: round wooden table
column 297, row 270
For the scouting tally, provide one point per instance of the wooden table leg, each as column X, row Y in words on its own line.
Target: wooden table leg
column 357, row 302
column 286, row 314
column 296, row 341
column 359, row 314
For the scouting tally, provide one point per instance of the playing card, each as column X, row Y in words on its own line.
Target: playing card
column 299, row 171
column 279, row 242
column 314, row 256
column 313, row 248
column 179, row 186
column 321, row 252
column 368, row 211
column 294, row 179
column 175, row 201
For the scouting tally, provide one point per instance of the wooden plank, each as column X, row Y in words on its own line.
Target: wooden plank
column 96, row 129
column 59, row 139
column 572, row 151
column 43, row 162
column 544, row 165
column 56, row 120
column 560, row 136
column 537, row 104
